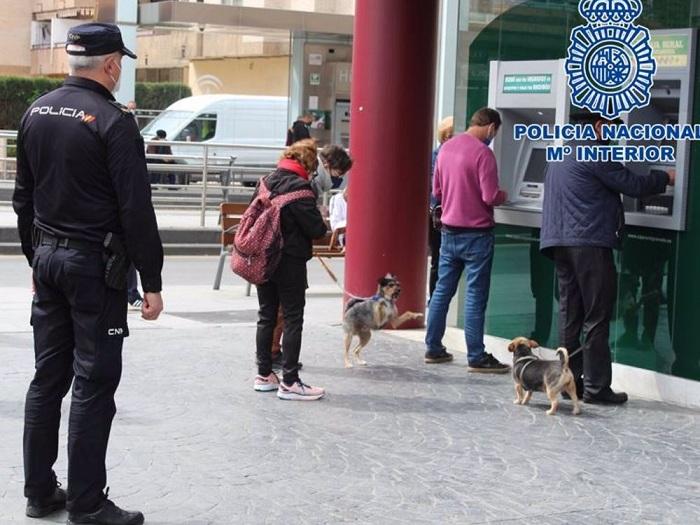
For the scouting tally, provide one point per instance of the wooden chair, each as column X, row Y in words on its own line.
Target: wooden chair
column 230, row 217
column 328, row 246
column 335, row 243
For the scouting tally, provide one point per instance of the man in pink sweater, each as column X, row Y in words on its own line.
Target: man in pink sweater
column 466, row 185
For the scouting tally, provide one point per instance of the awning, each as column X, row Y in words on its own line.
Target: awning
column 171, row 13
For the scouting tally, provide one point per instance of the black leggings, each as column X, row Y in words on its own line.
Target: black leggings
column 287, row 288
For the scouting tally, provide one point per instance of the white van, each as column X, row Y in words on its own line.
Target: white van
column 226, row 119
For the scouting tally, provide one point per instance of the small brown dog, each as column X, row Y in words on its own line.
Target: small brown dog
column 531, row 373
column 364, row 315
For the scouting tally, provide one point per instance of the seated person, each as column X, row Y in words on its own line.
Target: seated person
column 333, row 164
column 338, row 213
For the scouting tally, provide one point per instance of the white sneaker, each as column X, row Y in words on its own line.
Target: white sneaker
column 300, row 392
column 266, row 383
column 136, row 305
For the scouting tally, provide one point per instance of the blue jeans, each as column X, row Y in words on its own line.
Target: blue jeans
column 473, row 250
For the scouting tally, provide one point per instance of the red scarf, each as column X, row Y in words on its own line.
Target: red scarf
column 295, row 166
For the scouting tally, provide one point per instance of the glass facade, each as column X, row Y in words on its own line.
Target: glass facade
column 658, row 288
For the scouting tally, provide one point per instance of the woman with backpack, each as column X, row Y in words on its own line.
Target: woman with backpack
column 300, row 223
column 333, row 164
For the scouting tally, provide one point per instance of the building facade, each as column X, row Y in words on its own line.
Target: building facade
column 16, row 58
column 209, row 58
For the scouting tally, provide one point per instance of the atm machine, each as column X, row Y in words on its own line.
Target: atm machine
column 525, row 92
column 341, row 123
column 537, row 92
column 671, row 103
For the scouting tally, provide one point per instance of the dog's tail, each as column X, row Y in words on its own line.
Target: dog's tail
column 352, row 302
column 563, row 354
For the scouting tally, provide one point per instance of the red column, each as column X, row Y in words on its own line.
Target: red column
column 393, row 84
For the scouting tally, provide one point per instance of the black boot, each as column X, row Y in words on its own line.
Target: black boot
column 40, row 507
column 606, row 397
column 107, row 514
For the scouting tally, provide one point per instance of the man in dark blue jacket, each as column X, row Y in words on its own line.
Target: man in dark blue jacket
column 582, row 222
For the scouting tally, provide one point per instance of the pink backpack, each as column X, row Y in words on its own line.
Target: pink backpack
column 257, row 245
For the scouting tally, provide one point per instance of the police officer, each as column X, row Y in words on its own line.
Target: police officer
column 81, row 179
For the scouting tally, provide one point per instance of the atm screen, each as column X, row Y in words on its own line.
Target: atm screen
column 537, row 166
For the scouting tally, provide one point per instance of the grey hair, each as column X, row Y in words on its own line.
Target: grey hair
column 83, row 63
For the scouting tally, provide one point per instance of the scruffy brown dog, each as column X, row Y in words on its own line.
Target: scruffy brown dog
column 531, row 373
column 364, row 315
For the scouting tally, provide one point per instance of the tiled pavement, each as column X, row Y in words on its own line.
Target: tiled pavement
column 396, row 442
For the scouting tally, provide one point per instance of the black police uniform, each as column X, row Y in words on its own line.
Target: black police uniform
column 81, row 173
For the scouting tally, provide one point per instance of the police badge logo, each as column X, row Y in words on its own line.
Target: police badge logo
column 610, row 63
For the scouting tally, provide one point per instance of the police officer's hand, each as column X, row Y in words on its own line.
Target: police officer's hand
column 152, row 306
column 671, row 177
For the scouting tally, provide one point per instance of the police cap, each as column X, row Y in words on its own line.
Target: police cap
column 95, row 39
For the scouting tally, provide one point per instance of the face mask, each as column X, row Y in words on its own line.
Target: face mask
column 488, row 140
column 117, row 83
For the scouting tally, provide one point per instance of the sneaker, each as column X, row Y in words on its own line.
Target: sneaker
column 267, row 383
column 439, row 357
column 136, row 303
column 40, row 507
column 300, row 392
column 489, row 365
column 107, row 514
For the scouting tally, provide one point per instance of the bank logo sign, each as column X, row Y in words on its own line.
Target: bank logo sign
column 610, row 62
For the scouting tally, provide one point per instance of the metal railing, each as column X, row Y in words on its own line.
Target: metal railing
column 211, row 176
column 145, row 116
column 8, row 163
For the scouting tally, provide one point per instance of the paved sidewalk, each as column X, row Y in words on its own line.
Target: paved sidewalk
column 395, row 442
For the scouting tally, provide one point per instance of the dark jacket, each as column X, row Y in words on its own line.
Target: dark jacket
column 582, row 204
column 81, row 173
column 155, row 149
column 298, row 131
column 301, row 220
column 433, row 201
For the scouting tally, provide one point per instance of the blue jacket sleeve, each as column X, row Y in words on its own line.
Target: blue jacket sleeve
column 618, row 178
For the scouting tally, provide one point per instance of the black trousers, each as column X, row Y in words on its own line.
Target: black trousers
column 287, row 287
column 79, row 327
column 542, row 287
column 587, row 291
column 435, row 239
